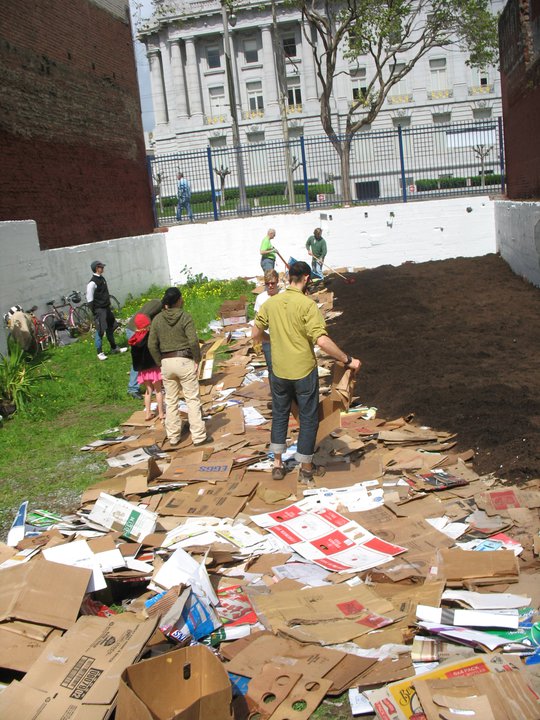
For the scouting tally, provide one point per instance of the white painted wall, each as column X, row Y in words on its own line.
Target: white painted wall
column 230, row 248
column 517, row 227
column 30, row 276
column 418, row 232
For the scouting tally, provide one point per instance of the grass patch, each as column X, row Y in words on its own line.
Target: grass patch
column 40, row 460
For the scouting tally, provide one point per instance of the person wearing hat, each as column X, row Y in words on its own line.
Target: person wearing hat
column 99, row 301
column 150, row 308
column 174, row 345
column 148, row 372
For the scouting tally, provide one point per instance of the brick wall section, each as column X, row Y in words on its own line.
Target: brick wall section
column 71, row 138
column 519, row 40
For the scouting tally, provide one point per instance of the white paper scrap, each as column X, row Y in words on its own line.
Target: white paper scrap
column 487, row 601
column 360, row 705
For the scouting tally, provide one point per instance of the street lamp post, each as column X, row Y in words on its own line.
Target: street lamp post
column 243, row 205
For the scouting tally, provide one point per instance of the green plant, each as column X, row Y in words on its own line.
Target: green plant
column 426, row 185
column 19, row 377
column 489, row 179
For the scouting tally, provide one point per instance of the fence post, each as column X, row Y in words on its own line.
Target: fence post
column 212, row 186
column 501, row 154
column 152, row 193
column 402, row 163
column 304, row 170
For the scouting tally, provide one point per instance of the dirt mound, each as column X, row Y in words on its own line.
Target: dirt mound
column 457, row 343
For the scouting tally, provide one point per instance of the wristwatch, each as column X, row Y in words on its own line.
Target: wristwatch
column 348, row 361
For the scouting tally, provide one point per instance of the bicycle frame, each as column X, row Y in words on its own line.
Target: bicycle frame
column 67, row 316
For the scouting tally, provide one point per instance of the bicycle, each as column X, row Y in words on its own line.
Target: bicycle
column 77, row 320
column 41, row 335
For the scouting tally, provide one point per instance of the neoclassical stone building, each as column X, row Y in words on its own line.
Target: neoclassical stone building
column 185, row 46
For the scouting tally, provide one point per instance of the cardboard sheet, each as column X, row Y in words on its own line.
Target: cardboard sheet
column 43, row 592
column 77, row 675
column 193, row 685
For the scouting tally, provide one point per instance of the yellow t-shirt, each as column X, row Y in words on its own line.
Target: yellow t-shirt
column 295, row 323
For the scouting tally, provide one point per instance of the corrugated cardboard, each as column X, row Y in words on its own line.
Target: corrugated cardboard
column 19, row 652
column 224, row 500
column 76, row 676
column 458, row 566
column 233, row 312
column 186, row 684
column 506, row 696
column 399, row 701
column 43, row 592
column 325, row 615
column 132, row 521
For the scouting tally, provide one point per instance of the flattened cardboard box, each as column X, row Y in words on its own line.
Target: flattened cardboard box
column 76, row 676
column 225, row 500
column 233, row 312
column 506, row 696
column 186, row 684
column 43, row 592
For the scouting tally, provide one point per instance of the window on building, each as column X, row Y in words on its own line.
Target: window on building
column 400, row 88
column 482, row 113
column 359, row 83
column 437, row 70
column 217, row 100
column 213, row 56
column 218, row 142
column 294, row 92
column 483, row 77
column 403, row 121
column 289, row 45
column 442, row 118
column 255, row 96
column 295, row 133
column 251, row 51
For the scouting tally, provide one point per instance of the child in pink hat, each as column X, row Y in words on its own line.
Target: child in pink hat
column 149, row 374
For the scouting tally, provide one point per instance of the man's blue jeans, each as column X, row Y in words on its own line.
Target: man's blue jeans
column 306, row 394
column 133, row 384
column 184, row 205
column 267, row 263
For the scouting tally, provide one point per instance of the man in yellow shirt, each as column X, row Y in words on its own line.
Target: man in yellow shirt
column 296, row 325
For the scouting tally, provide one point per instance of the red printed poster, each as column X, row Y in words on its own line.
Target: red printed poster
column 234, row 607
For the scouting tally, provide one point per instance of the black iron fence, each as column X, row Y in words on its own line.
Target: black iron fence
column 404, row 164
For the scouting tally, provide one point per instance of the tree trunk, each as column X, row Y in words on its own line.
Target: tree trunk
column 345, row 160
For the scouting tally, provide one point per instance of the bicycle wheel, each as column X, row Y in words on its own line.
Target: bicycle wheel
column 115, row 304
column 44, row 336
column 49, row 321
column 82, row 318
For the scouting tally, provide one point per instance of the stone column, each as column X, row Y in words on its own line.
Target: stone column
column 270, row 79
column 159, row 100
column 308, row 68
column 177, row 69
column 193, row 80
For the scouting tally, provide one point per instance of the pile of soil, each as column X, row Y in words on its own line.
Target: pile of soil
column 457, row 343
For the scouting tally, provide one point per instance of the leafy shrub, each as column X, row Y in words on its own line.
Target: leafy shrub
column 19, row 378
column 490, row 179
column 426, row 185
column 452, row 182
column 256, row 191
column 445, row 183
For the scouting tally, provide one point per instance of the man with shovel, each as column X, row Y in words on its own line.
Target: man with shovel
column 316, row 247
column 293, row 324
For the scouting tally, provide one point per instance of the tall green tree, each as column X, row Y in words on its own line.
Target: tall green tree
column 389, row 37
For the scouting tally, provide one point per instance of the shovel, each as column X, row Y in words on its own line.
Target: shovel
column 348, row 280
column 280, row 256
